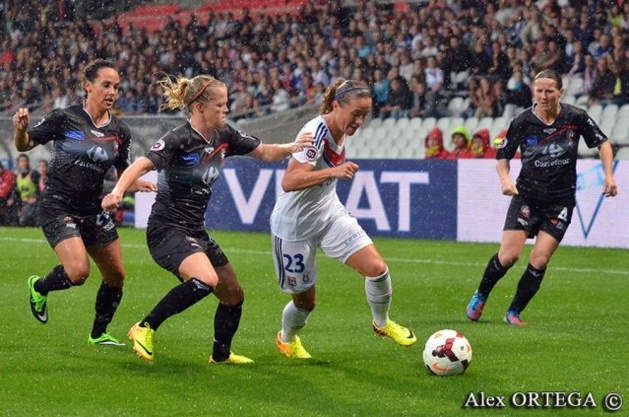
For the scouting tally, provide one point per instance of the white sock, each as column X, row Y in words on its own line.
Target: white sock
column 378, row 290
column 293, row 320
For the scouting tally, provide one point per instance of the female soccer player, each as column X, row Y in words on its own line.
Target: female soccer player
column 88, row 140
column 543, row 197
column 188, row 159
column 309, row 214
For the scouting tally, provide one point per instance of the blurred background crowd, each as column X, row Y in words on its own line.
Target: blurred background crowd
column 416, row 55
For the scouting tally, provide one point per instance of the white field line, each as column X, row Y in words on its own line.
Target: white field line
column 229, row 250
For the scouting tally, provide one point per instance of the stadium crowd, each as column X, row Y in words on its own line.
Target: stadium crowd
column 416, row 58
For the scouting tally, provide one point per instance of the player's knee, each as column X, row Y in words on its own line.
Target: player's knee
column 115, row 280
column 375, row 268
column 77, row 273
column 507, row 260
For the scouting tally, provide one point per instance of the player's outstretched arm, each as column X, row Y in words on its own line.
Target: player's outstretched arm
column 130, row 175
column 274, row 152
column 21, row 120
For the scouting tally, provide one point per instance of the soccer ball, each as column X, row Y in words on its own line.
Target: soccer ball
column 447, row 352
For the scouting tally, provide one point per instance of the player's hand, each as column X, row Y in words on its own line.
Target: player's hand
column 21, row 119
column 346, row 170
column 304, row 140
column 111, row 201
column 146, row 186
column 609, row 188
column 508, row 187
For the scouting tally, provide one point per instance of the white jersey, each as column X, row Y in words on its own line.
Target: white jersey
column 297, row 215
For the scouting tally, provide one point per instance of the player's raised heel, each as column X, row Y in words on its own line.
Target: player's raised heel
column 400, row 334
column 142, row 338
column 512, row 317
column 475, row 306
column 39, row 306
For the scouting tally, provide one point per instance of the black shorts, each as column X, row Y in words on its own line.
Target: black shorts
column 170, row 246
column 533, row 216
column 58, row 225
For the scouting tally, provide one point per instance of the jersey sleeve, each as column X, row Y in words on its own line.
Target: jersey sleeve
column 510, row 143
column 124, row 156
column 49, row 128
column 592, row 134
column 312, row 153
column 240, row 143
column 164, row 150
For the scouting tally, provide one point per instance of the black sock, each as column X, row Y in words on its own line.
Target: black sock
column 56, row 280
column 493, row 272
column 527, row 287
column 177, row 300
column 226, row 321
column 107, row 300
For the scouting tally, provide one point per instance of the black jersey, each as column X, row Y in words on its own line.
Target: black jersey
column 82, row 154
column 549, row 152
column 188, row 166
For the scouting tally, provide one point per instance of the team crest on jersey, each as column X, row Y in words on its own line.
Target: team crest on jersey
column 570, row 135
column 311, row 153
column 159, row 145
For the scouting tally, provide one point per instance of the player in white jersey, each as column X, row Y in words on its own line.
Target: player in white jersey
column 309, row 215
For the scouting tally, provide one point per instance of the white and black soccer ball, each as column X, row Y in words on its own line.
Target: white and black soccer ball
column 447, row 352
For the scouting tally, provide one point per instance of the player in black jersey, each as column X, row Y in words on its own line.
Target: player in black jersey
column 188, row 159
column 88, row 140
column 543, row 196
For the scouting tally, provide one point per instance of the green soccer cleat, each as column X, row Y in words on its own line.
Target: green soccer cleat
column 39, row 307
column 233, row 359
column 293, row 350
column 400, row 334
column 142, row 338
column 104, row 340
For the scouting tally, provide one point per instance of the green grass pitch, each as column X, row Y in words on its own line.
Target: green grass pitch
column 576, row 340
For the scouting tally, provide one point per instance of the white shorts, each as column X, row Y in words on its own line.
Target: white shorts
column 295, row 266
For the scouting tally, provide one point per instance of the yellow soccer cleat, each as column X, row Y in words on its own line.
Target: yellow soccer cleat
column 400, row 334
column 142, row 338
column 233, row 359
column 293, row 350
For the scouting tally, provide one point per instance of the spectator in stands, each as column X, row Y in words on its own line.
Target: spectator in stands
column 422, row 106
column 499, row 68
column 400, row 100
column 484, row 98
column 602, row 90
column 518, row 92
column 42, row 168
column 481, row 148
column 27, row 191
column 543, row 196
column 590, row 73
column 7, row 187
column 462, row 142
column 381, row 89
column 575, row 62
column 480, row 61
column 308, row 216
column 189, row 158
column 550, row 56
column 433, row 145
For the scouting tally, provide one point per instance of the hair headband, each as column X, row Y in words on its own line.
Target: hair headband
column 197, row 95
column 348, row 89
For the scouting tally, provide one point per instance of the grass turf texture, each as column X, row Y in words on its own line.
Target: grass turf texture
column 575, row 341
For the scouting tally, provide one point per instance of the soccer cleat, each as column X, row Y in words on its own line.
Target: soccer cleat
column 38, row 301
column 233, row 359
column 293, row 350
column 475, row 306
column 400, row 334
column 142, row 338
column 512, row 317
column 104, row 340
